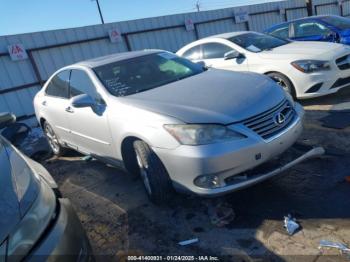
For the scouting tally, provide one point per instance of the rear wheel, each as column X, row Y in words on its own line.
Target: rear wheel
column 52, row 138
column 283, row 81
column 153, row 173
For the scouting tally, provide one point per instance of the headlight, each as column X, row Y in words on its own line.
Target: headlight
column 310, row 66
column 202, row 134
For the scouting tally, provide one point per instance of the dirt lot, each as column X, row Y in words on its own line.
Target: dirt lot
column 120, row 220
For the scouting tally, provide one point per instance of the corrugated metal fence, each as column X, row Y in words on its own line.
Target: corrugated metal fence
column 331, row 7
column 50, row 50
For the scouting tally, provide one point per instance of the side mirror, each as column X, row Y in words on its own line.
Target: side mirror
column 233, row 55
column 83, row 100
column 333, row 36
column 201, row 63
column 6, row 119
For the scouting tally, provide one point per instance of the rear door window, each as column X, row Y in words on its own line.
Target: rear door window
column 194, row 53
column 59, row 85
column 215, row 50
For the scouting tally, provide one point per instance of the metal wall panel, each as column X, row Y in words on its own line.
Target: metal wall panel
column 55, row 49
column 219, row 27
column 169, row 39
column 261, row 22
column 332, row 9
column 326, row 7
column 346, row 8
column 295, row 14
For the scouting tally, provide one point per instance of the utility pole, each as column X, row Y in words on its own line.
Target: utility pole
column 99, row 11
column 198, row 6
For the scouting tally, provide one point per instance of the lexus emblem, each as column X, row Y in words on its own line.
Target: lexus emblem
column 280, row 118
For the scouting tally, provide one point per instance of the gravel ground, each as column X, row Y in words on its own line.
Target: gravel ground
column 120, row 220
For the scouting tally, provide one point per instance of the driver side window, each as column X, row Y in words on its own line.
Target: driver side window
column 215, row 50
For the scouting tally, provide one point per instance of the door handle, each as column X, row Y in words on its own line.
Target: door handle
column 44, row 103
column 69, row 110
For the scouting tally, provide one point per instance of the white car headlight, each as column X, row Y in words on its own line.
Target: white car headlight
column 310, row 66
column 202, row 134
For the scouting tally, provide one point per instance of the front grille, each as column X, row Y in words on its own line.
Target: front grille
column 269, row 123
column 343, row 62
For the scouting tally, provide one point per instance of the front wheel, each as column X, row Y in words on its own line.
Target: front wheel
column 52, row 138
column 153, row 173
column 283, row 81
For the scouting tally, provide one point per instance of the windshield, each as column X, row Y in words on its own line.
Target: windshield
column 143, row 73
column 339, row 22
column 255, row 42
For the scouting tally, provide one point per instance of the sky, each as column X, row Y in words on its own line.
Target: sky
column 22, row 16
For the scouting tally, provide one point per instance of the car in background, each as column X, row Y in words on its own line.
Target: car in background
column 175, row 123
column 328, row 28
column 36, row 223
column 304, row 69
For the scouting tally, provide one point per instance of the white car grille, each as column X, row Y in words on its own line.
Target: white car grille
column 273, row 121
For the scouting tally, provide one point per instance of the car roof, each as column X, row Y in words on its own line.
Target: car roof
column 310, row 17
column 115, row 58
column 229, row 35
column 298, row 19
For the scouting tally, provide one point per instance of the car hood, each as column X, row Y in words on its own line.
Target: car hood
column 214, row 96
column 306, row 50
column 17, row 192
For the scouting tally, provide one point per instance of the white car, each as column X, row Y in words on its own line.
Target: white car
column 304, row 69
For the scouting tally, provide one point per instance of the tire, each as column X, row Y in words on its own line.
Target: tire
column 53, row 140
column 284, row 82
column 153, row 173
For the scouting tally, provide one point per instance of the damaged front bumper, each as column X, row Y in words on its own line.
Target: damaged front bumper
column 268, row 171
column 261, row 173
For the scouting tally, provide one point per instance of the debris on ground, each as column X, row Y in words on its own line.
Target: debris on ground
column 189, row 242
column 330, row 244
column 221, row 214
column 290, row 224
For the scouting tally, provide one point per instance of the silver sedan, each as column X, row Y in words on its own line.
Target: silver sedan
column 175, row 123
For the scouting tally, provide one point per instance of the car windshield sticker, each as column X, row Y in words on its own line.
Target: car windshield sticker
column 167, row 55
column 115, row 86
column 253, row 48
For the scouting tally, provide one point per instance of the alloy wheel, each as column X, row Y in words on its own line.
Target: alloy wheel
column 144, row 174
column 52, row 139
column 281, row 83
